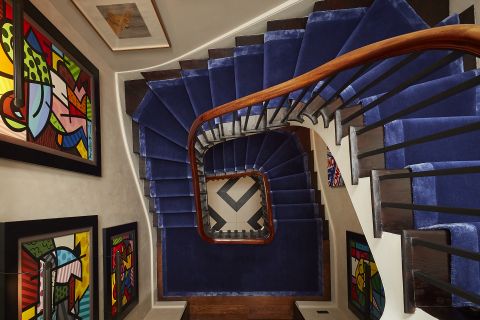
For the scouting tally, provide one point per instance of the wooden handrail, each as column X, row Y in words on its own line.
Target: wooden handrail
column 465, row 38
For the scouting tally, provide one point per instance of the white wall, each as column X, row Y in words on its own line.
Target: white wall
column 341, row 217
column 458, row 6
column 189, row 24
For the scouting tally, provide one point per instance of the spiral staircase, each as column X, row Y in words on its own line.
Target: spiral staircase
column 399, row 108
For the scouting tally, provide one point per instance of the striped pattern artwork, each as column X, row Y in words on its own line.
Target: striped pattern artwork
column 70, row 284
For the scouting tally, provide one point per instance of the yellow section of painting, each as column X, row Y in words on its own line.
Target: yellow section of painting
column 55, row 59
column 29, row 313
column 6, row 65
column 113, row 286
column 82, row 239
column 82, row 150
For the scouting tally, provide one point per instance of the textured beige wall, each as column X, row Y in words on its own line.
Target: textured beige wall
column 457, row 6
column 188, row 23
column 341, row 215
column 36, row 192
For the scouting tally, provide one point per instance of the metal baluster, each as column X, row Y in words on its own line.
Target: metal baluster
column 249, row 109
column 18, row 53
column 264, row 109
column 315, row 94
column 47, row 290
column 277, row 109
column 211, row 129
column 118, row 280
column 428, row 70
column 294, row 105
column 355, row 76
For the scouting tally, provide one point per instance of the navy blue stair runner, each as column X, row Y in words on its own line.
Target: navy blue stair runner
column 292, row 263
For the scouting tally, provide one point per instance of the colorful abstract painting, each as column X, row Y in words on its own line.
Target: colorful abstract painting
column 121, row 281
column 59, row 113
column 49, row 268
column 366, row 295
column 69, row 256
column 333, row 172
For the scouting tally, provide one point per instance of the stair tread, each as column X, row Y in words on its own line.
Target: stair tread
column 287, row 24
column 161, row 74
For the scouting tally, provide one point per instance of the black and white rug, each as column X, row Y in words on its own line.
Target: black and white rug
column 235, row 204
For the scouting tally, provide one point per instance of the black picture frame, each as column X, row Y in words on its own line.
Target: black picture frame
column 367, row 311
column 10, row 235
column 24, row 151
column 108, row 234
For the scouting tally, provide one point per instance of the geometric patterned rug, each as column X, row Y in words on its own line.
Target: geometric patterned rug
column 235, row 204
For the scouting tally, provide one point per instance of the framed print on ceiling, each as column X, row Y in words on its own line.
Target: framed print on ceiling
column 126, row 24
column 55, row 119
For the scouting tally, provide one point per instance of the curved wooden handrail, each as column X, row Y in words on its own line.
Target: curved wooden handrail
column 465, row 38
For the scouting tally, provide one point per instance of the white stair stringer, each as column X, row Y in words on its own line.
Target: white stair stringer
column 386, row 250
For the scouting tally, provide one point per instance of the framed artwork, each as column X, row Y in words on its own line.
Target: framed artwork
column 366, row 297
column 335, row 179
column 125, row 24
column 58, row 122
column 120, row 274
column 49, row 269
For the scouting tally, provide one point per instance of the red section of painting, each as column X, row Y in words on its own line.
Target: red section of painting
column 29, row 280
column 118, row 248
column 44, row 42
column 71, row 295
column 9, row 11
column 357, row 254
column 2, row 9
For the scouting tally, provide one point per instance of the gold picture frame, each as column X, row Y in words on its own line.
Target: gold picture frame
column 126, row 24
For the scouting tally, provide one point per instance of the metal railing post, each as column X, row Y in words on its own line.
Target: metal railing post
column 47, row 290
column 118, row 280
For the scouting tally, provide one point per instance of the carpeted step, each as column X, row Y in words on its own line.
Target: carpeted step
column 254, row 144
column 301, row 180
column 460, row 191
column 229, row 156
column 208, row 161
column 464, row 273
column 174, row 96
column 465, row 103
column 325, row 34
column 455, row 148
column 298, row 164
column 222, row 82
column 174, row 204
column 289, row 149
column 396, row 17
column 240, row 152
column 153, row 114
column 197, row 84
column 272, row 141
column 407, row 71
column 281, row 50
column 295, row 255
column 153, row 145
column 217, row 151
column 295, row 211
column 248, row 62
column 176, row 220
column 293, row 196
column 156, row 169
column 169, row 188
